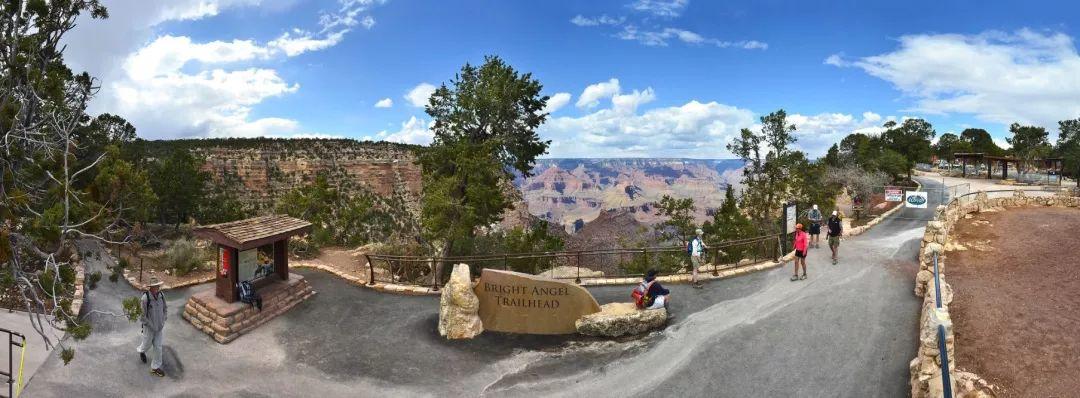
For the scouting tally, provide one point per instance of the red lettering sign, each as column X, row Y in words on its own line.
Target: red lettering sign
column 224, row 262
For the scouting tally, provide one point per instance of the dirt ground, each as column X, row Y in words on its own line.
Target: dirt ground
column 344, row 260
column 1017, row 287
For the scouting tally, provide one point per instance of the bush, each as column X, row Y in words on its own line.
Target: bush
column 183, row 257
column 132, row 308
column 91, row 282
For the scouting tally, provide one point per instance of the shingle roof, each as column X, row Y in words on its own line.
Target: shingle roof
column 253, row 232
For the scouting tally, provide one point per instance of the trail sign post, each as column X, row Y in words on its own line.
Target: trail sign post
column 916, row 199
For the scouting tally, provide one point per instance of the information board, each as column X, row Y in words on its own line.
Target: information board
column 915, row 199
column 791, row 214
column 894, row 194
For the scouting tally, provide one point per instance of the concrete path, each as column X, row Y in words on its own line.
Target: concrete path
column 849, row 330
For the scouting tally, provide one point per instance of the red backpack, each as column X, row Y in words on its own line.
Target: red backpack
column 641, row 294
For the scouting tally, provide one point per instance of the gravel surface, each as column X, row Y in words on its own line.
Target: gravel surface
column 1017, row 291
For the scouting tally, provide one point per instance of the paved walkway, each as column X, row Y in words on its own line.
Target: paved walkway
column 849, row 330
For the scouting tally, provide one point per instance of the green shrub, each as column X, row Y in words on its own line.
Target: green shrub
column 132, row 308
column 183, row 257
column 114, row 276
column 92, row 281
column 67, row 354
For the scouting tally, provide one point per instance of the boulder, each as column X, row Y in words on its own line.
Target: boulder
column 458, row 306
column 621, row 319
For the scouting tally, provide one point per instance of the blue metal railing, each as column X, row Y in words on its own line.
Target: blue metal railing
column 946, row 383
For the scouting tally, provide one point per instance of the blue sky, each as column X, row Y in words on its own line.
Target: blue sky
column 633, row 78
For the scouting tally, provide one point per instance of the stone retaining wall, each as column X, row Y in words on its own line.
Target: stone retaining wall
column 224, row 322
column 926, row 380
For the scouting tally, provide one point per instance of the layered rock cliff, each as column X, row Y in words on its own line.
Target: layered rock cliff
column 265, row 169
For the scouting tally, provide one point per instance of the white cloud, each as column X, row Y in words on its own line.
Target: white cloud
column 592, row 94
column 694, row 129
column 413, row 131
column 300, row 41
column 662, row 37
column 384, row 103
column 661, row 8
column 420, row 94
column 628, row 103
column 836, row 60
column 1024, row 76
column 816, row 133
column 556, row 102
column 171, row 86
column 581, row 20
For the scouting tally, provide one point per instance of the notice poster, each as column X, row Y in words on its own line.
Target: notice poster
column 249, row 262
column 894, row 194
column 915, row 200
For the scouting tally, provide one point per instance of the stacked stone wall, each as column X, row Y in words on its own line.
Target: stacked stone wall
column 224, row 322
column 926, row 377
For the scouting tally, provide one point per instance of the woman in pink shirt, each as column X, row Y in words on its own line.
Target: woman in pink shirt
column 801, row 243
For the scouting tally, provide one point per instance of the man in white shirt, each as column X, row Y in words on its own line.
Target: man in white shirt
column 697, row 249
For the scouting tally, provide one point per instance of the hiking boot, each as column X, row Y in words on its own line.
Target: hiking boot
column 142, row 356
column 698, row 285
column 157, row 372
column 803, row 277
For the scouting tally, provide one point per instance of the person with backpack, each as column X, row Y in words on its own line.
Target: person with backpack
column 649, row 295
column 155, row 312
column 801, row 244
column 696, row 248
column 836, row 230
column 814, row 215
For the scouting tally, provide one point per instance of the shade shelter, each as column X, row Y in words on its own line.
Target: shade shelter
column 252, row 251
column 1004, row 161
column 237, row 239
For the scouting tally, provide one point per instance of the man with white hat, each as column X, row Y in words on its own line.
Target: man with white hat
column 697, row 248
column 155, row 311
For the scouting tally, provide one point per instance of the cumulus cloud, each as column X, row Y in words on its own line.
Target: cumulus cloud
column 171, row 86
column 413, row 131
column 384, row 103
column 628, row 103
column 663, row 36
column 420, row 94
column 581, row 20
column 591, row 96
column 556, row 102
column 816, row 133
column 1022, row 76
column 660, row 8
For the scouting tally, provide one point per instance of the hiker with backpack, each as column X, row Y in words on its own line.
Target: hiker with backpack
column 696, row 248
column 155, row 312
column 836, row 229
column 649, row 295
column 802, row 243
column 814, row 215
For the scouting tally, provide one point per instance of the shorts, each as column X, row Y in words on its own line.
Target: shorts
column 815, row 229
column 834, row 241
column 800, row 254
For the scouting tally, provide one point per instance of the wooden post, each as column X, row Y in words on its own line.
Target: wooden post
column 964, row 171
column 281, row 259
column 1004, row 171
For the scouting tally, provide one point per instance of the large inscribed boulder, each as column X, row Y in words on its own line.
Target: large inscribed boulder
column 458, row 306
column 514, row 302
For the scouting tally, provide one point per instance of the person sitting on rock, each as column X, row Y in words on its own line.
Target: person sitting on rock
column 658, row 296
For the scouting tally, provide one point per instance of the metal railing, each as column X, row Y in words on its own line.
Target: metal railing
column 14, row 379
column 576, row 264
column 946, row 378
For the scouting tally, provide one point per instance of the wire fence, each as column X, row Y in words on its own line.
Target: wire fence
column 579, row 265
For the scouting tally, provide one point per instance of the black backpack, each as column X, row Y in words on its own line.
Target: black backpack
column 248, row 294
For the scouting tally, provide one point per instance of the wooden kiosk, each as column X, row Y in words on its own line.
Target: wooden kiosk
column 255, row 250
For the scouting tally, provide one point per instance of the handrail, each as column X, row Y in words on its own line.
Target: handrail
column 11, row 380
column 523, row 255
column 946, row 378
column 396, row 262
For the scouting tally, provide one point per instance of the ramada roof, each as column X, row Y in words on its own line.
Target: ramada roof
column 253, row 232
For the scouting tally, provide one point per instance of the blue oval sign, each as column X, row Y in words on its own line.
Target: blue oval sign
column 916, row 200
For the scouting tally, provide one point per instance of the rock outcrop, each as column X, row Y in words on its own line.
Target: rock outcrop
column 458, row 306
column 621, row 319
